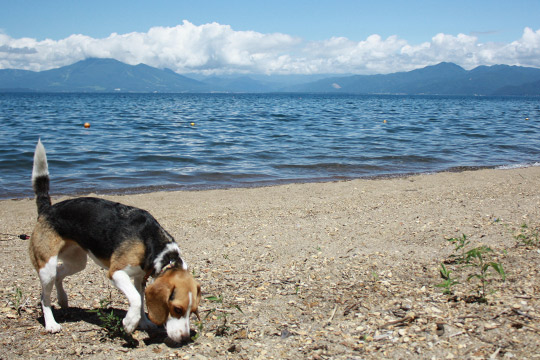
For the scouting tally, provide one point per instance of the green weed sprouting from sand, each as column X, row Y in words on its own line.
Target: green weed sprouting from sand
column 222, row 314
column 478, row 259
column 459, row 244
column 111, row 323
column 448, row 282
column 18, row 301
column 528, row 236
column 200, row 326
column 475, row 258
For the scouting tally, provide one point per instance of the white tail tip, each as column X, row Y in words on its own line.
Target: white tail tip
column 40, row 162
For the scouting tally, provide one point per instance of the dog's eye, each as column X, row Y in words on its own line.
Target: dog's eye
column 178, row 310
column 173, row 293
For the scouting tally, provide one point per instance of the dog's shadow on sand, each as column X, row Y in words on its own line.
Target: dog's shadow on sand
column 94, row 317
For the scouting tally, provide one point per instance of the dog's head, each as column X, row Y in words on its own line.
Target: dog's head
column 171, row 299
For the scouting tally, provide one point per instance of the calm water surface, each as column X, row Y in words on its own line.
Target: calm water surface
column 143, row 142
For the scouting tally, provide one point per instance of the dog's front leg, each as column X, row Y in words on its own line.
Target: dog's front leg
column 123, row 282
column 144, row 323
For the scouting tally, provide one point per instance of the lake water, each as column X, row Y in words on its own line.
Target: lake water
column 149, row 142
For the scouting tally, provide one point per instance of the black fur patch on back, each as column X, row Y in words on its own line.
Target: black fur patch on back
column 100, row 226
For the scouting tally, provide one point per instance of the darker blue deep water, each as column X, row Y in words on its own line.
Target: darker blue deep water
column 145, row 142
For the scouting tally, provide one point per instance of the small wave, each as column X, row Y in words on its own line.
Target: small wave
column 327, row 167
column 517, row 166
column 151, row 158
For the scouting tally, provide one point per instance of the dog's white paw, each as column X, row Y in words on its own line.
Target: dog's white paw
column 53, row 328
column 130, row 322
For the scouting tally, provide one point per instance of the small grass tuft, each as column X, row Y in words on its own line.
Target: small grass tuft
column 528, row 236
column 18, row 300
column 111, row 323
column 459, row 247
column 475, row 258
column 448, row 282
column 478, row 259
column 222, row 314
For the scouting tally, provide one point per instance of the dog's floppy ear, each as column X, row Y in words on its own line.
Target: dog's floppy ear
column 195, row 307
column 157, row 300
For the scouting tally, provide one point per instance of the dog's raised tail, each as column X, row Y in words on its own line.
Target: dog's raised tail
column 40, row 179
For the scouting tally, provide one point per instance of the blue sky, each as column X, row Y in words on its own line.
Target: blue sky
column 341, row 36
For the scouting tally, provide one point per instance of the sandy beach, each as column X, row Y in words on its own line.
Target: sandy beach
column 334, row 270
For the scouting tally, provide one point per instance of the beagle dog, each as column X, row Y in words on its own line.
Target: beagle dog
column 126, row 241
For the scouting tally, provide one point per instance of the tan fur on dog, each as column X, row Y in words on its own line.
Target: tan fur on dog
column 44, row 244
column 158, row 296
column 129, row 253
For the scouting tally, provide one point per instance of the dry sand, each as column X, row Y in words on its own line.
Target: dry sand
column 326, row 270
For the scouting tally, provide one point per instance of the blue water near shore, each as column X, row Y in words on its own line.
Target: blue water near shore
column 146, row 142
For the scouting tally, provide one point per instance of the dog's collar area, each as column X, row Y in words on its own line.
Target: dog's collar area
column 172, row 264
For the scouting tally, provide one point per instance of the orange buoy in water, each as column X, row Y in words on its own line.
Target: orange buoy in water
column 86, row 125
column 192, row 124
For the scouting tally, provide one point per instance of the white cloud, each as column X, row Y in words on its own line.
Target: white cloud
column 215, row 48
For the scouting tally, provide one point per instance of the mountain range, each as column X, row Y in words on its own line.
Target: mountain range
column 109, row 75
column 440, row 79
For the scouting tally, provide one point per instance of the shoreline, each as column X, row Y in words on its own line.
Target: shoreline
column 265, row 183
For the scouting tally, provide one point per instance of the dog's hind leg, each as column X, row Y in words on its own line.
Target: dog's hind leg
column 73, row 260
column 45, row 245
column 47, row 276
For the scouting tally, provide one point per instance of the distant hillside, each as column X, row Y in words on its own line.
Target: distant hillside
column 255, row 83
column 527, row 89
column 108, row 75
column 441, row 79
column 101, row 75
column 240, row 84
